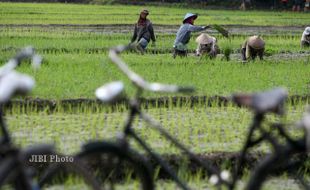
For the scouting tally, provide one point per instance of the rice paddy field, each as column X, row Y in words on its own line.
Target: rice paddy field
column 74, row 42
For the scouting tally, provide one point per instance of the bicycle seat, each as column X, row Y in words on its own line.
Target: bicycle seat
column 14, row 83
column 110, row 91
column 264, row 102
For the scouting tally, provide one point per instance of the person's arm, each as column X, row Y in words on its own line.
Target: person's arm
column 193, row 28
column 151, row 30
column 134, row 37
column 243, row 50
column 213, row 44
column 307, row 38
column 261, row 54
column 198, row 52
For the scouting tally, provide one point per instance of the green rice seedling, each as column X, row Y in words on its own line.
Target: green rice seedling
column 220, row 29
column 44, row 13
column 227, row 50
column 219, row 129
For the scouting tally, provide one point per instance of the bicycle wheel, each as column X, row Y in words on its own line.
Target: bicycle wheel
column 68, row 175
column 11, row 177
column 117, row 168
column 270, row 174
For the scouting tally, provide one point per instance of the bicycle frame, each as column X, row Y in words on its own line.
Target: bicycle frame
column 257, row 121
column 134, row 110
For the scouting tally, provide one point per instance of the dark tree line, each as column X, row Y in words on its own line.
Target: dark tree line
column 228, row 3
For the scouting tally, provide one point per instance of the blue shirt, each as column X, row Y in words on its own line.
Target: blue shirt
column 184, row 33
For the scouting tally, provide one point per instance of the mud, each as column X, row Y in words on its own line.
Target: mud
column 285, row 55
column 167, row 29
column 76, row 105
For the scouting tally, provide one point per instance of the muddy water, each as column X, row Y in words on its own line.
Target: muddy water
column 279, row 56
column 167, row 29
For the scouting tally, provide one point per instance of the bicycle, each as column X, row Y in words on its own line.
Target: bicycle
column 16, row 171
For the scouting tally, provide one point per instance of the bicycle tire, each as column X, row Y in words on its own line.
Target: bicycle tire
column 271, row 166
column 110, row 152
column 57, row 173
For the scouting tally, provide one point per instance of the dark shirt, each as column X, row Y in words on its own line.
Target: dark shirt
column 145, row 31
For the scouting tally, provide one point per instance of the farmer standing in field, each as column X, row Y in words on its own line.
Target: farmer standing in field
column 305, row 39
column 143, row 31
column 252, row 47
column 184, row 34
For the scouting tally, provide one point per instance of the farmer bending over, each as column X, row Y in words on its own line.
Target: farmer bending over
column 143, row 32
column 305, row 39
column 184, row 34
column 207, row 45
column 252, row 47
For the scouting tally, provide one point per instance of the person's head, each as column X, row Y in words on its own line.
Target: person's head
column 190, row 18
column 144, row 13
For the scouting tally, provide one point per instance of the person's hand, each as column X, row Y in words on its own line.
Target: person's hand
column 206, row 27
column 212, row 53
column 197, row 53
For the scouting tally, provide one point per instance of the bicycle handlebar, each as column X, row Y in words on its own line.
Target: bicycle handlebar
column 138, row 81
column 27, row 52
column 24, row 53
column 13, row 82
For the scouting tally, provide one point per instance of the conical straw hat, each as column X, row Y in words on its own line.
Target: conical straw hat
column 189, row 15
column 256, row 42
column 204, row 39
column 307, row 31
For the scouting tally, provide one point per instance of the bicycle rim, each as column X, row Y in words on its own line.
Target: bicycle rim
column 117, row 168
column 68, row 175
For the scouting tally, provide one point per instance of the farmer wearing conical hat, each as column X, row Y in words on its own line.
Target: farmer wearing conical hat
column 207, row 45
column 184, row 34
column 143, row 31
column 252, row 47
column 305, row 39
